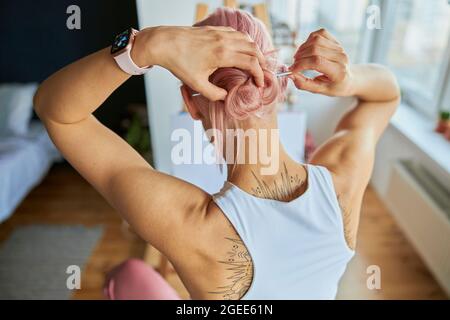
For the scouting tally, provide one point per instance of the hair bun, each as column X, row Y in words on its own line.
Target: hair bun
column 244, row 97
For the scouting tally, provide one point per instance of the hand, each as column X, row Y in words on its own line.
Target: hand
column 322, row 52
column 192, row 54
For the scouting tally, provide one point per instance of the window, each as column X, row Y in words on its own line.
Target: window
column 417, row 49
column 343, row 18
column 413, row 40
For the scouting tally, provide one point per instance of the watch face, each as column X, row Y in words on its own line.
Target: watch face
column 121, row 41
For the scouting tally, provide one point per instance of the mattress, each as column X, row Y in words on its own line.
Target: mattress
column 24, row 162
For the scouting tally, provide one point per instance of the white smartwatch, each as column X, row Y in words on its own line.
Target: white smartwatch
column 121, row 49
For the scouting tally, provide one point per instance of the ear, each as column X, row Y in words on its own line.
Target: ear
column 188, row 101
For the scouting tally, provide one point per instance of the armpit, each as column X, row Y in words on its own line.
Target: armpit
column 350, row 223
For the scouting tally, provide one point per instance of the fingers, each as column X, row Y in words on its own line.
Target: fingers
column 252, row 49
column 325, row 52
column 319, row 41
column 324, row 33
column 231, row 41
column 208, row 90
column 311, row 85
column 223, row 47
column 236, row 60
column 320, row 38
column 241, row 42
column 321, row 52
column 219, row 28
column 248, row 63
column 329, row 68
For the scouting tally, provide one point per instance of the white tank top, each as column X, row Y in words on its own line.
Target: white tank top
column 298, row 248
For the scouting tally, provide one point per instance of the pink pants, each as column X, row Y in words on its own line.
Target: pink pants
column 136, row 280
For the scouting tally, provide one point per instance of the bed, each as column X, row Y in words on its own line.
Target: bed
column 25, row 154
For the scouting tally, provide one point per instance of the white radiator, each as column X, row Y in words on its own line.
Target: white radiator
column 422, row 208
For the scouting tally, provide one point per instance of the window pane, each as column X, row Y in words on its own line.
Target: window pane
column 418, row 43
column 343, row 18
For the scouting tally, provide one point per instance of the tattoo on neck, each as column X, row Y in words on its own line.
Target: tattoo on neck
column 284, row 190
column 239, row 265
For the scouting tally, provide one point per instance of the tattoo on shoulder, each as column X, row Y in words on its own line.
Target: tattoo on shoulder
column 239, row 265
column 283, row 189
column 350, row 235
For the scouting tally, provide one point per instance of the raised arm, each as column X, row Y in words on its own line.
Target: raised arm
column 158, row 206
column 349, row 154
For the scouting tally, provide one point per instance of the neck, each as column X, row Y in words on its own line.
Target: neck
column 274, row 174
column 254, row 147
column 267, row 165
column 285, row 182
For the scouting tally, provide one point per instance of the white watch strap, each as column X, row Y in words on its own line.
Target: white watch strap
column 127, row 64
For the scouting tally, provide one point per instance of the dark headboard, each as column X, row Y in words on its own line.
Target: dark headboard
column 36, row 43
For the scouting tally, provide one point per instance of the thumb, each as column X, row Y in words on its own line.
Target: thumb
column 210, row 91
column 307, row 84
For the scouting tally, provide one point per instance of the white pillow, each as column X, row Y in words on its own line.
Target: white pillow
column 16, row 105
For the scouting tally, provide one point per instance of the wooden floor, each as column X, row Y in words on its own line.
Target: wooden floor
column 381, row 243
column 65, row 198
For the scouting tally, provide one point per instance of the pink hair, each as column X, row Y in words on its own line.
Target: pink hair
column 244, row 98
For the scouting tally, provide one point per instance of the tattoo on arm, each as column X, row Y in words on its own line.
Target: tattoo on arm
column 239, row 265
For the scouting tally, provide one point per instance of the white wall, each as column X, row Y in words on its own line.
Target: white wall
column 162, row 88
column 323, row 113
column 395, row 145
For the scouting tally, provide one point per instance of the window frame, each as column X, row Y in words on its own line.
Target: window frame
column 444, row 102
column 375, row 48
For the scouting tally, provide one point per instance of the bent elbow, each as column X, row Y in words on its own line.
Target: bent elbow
column 45, row 107
column 397, row 93
column 393, row 105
